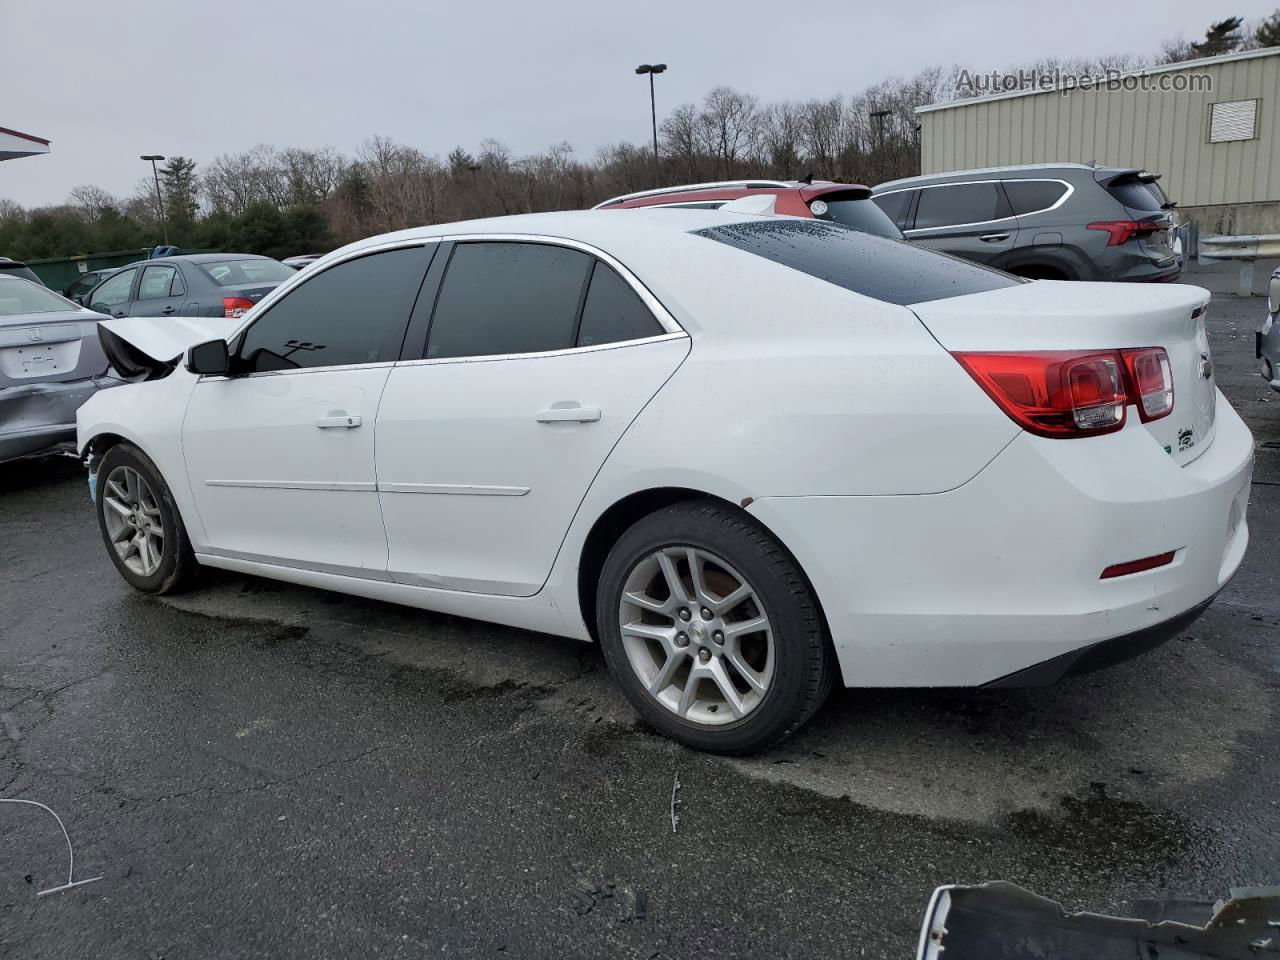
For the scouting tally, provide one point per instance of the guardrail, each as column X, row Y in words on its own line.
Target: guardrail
column 1247, row 249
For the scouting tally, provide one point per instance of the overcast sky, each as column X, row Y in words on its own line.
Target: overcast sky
column 106, row 82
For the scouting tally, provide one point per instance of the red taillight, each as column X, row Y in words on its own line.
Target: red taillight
column 1074, row 394
column 235, row 307
column 1121, row 231
column 1056, row 394
column 1137, row 566
column 1152, row 381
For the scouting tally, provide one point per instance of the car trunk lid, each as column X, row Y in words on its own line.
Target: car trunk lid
column 1048, row 315
column 50, row 347
column 1140, row 194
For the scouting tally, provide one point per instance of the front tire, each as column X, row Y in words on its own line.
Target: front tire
column 711, row 629
column 140, row 524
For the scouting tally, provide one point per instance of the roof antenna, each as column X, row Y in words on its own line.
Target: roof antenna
column 807, row 178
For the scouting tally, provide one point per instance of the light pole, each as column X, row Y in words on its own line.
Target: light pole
column 164, row 224
column 651, row 69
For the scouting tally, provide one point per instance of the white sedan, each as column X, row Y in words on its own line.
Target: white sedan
column 752, row 456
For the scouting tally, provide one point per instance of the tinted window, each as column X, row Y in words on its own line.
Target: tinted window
column 22, row 296
column 895, row 205
column 963, row 203
column 507, row 298
column 156, row 282
column 862, row 215
column 1136, row 195
column 114, row 291
column 234, row 273
column 1028, row 196
column 355, row 312
column 613, row 311
column 890, row 270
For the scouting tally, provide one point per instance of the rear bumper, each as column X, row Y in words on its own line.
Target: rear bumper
column 36, row 416
column 1107, row 653
column 1001, row 574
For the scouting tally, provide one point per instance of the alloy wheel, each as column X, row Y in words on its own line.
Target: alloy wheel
column 134, row 524
column 697, row 635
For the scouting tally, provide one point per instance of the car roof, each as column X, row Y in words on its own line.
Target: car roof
column 8, row 262
column 600, row 228
column 981, row 173
column 208, row 257
column 727, row 188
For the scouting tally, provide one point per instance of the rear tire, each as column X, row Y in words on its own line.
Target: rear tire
column 141, row 528
column 734, row 657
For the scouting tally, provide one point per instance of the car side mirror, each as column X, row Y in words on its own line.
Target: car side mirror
column 209, row 358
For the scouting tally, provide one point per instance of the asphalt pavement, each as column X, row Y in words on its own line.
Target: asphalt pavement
column 261, row 770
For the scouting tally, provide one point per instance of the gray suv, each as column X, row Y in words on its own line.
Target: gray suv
column 1059, row 221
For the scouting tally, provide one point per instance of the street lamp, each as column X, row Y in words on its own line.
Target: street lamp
column 164, row 225
column 651, row 69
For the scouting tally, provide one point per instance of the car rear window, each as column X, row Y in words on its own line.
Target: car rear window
column 861, row 214
column 1136, row 195
column 19, row 296
column 894, row 271
column 235, row 273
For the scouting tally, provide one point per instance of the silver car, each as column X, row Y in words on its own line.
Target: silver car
column 1269, row 336
column 50, row 363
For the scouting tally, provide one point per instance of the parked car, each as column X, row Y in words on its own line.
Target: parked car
column 1269, row 337
column 77, row 291
column 847, row 203
column 12, row 268
column 1058, row 221
column 50, row 362
column 194, row 285
column 302, row 261
column 751, row 455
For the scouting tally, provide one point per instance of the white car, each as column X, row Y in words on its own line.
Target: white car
column 750, row 455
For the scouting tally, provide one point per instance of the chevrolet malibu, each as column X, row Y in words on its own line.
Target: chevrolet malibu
column 750, row 455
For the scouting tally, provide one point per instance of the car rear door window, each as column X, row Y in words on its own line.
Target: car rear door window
column 962, row 203
column 1031, row 196
column 156, row 283
column 501, row 297
column 873, row 266
column 354, row 312
column 613, row 312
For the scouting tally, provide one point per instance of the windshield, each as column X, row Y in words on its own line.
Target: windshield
column 235, row 273
column 860, row 214
column 894, row 271
column 18, row 296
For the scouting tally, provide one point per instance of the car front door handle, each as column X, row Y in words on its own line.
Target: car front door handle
column 993, row 237
column 341, row 421
column 569, row 414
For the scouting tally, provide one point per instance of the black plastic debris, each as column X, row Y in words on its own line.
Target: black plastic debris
column 995, row 921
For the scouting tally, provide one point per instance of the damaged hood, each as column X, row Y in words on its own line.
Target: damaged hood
column 165, row 339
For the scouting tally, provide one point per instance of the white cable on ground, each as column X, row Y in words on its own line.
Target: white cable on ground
column 71, row 855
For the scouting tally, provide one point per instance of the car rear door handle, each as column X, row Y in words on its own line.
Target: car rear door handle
column 340, row 421
column 168, row 310
column 993, row 237
column 569, row 414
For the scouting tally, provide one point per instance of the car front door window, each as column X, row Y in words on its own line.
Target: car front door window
column 352, row 313
column 113, row 293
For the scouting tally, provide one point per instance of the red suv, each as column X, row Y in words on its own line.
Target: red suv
column 847, row 203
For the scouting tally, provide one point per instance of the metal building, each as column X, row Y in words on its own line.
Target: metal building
column 1210, row 127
